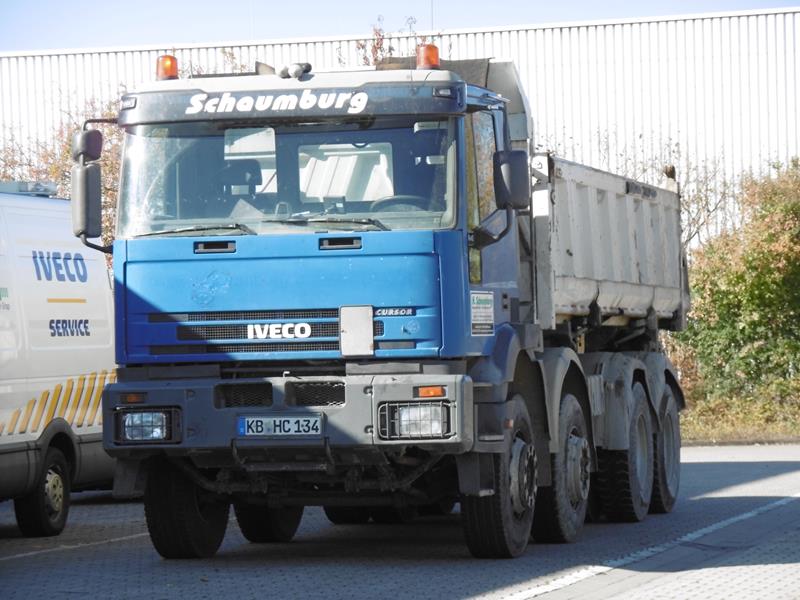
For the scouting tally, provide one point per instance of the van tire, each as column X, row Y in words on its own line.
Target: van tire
column 44, row 511
column 184, row 520
column 264, row 525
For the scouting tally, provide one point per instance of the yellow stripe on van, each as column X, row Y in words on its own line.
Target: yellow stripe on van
column 97, row 395
column 67, row 397
column 76, row 401
column 40, row 410
column 86, row 398
column 13, row 422
column 23, row 425
column 112, row 378
column 51, row 412
column 67, row 300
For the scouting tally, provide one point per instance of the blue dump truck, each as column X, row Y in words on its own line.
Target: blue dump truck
column 364, row 291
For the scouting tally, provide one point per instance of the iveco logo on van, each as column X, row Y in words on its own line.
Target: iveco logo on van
column 58, row 266
column 278, row 331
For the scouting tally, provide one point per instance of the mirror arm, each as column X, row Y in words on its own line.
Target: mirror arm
column 86, row 242
column 106, row 120
column 480, row 238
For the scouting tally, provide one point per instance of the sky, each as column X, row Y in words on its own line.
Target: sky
column 71, row 24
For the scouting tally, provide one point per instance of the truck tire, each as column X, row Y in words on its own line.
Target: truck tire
column 498, row 526
column 347, row 515
column 264, row 525
column 667, row 464
column 184, row 520
column 626, row 476
column 44, row 511
column 561, row 507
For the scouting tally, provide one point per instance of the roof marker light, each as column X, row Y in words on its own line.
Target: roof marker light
column 166, row 67
column 427, row 56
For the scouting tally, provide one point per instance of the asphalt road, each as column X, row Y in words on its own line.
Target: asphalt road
column 734, row 533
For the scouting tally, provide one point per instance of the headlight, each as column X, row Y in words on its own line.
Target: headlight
column 145, row 426
column 414, row 420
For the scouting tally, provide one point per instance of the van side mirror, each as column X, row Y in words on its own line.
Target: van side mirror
column 87, row 146
column 512, row 180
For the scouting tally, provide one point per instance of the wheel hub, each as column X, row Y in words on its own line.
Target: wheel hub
column 522, row 471
column 577, row 468
column 54, row 492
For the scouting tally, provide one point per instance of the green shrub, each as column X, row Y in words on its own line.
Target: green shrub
column 744, row 328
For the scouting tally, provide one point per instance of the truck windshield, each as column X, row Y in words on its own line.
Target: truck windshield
column 379, row 173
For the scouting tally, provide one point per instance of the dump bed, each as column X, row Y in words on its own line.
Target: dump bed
column 606, row 239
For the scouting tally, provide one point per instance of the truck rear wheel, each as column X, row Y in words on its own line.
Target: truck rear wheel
column 347, row 515
column 44, row 511
column 561, row 508
column 184, row 520
column 667, row 463
column 263, row 525
column 498, row 526
column 626, row 476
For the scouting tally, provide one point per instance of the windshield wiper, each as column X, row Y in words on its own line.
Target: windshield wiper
column 328, row 219
column 240, row 227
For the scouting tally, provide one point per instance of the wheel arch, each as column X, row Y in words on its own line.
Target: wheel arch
column 563, row 371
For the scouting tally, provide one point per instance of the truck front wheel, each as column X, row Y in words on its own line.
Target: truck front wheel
column 263, row 525
column 184, row 520
column 498, row 526
column 44, row 511
column 561, row 510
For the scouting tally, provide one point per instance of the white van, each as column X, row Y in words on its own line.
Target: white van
column 56, row 354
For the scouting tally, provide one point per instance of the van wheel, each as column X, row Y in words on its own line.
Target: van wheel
column 44, row 511
column 347, row 515
column 667, row 464
column 561, row 510
column 499, row 526
column 626, row 476
column 263, row 525
column 184, row 520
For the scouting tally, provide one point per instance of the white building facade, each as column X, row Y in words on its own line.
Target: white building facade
column 717, row 91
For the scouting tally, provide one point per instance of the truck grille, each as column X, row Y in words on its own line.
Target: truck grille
column 239, row 332
column 316, row 393
column 245, row 315
column 233, row 348
column 215, row 332
column 243, row 395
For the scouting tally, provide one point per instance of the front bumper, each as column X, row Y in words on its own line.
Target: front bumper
column 357, row 413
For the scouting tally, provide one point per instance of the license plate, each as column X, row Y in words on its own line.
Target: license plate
column 289, row 426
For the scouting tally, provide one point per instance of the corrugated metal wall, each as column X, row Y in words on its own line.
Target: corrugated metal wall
column 718, row 91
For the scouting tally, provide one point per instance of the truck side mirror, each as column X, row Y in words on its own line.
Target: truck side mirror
column 87, row 146
column 512, row 181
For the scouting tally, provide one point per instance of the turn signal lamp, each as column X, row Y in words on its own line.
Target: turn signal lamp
column 427, row 56
column 166, row 67
column 430, row 391
column 133, row 398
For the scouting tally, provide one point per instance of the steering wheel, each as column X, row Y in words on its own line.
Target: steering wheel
column 400, row 202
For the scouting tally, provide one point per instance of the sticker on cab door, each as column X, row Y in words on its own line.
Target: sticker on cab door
column 482, row 313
